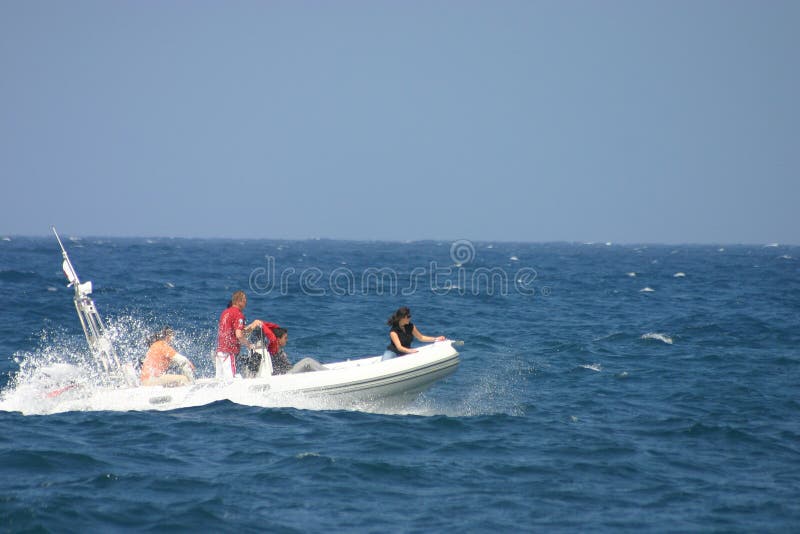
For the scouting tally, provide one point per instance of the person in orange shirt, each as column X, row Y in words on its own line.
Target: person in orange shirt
column 159, row 358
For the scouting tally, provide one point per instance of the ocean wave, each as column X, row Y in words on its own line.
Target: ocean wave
column 592, row 367
column 657, row 336
column 613, row 336
column 647, row 289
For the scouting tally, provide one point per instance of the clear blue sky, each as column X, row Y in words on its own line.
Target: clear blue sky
column 624, row 121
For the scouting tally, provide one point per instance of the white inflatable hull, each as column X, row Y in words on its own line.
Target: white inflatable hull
column 371, row 379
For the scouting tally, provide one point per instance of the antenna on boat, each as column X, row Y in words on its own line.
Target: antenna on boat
column 93, row 328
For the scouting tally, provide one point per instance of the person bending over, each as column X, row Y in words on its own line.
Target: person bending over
column 403, row 333
column 160, row 356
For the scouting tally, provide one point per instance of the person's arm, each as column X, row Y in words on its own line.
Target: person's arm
column 240, row 335
column 176, row 358
column 183, row 363
column 254, row 324
column 396, row 340
column 426, row 339
column 180, row 360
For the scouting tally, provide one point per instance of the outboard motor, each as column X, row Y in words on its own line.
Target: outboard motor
column 249, row 364
column 257, row 363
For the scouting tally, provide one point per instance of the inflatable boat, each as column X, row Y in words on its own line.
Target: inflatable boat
column 350, row 383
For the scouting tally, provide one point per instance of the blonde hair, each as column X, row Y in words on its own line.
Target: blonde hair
column 237, row 297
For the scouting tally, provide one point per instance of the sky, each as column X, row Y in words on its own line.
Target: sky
column 624, row 121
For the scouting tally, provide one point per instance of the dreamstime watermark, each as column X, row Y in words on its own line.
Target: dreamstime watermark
column 460, row 278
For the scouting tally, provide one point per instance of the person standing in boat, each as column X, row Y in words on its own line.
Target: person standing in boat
column 403, row 333
column 160, row 356
column 231, row 336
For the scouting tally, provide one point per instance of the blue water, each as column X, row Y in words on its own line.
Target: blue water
column 583, row 401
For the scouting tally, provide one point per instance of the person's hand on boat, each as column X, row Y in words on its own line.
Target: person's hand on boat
column 440, row 338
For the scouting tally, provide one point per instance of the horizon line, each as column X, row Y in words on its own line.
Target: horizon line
column 6, row 237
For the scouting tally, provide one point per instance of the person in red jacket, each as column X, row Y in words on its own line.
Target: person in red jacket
column 268, row 330
column 232, row 335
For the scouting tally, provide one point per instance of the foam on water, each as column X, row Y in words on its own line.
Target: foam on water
column 43, row 396
column 658, row 337
column 66, row 387
column 499, row 390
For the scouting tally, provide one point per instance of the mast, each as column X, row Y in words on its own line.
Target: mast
column 93, row 328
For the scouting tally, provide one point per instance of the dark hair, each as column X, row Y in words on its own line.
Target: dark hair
column 400, row 313
column 160, row 335
column 279, row 332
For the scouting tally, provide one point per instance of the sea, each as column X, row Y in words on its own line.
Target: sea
column 601, row 388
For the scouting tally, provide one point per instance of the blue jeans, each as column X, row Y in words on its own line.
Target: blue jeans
column 388, row 355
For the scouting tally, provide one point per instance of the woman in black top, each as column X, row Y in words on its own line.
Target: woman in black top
column 403, row 333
